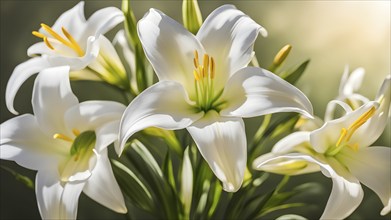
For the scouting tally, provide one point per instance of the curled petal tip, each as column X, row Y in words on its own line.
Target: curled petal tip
column 386, row 208
column 263, row 31
column 229, row 187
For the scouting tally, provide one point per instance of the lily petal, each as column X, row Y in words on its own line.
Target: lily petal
column 20, row 74
column 106, row 135
column 70, row 199
column 292, row 142
column 346, row 193
column 90, row 115
column 107, row 61
column 76, row 62
column 329, row 114
column 254, row 91
column 371, row 166
column 48, row 190
column 228, row 35
column 154, row 108
column 351, row 83
column 279, row 164
column 169, row 47
column 84, row 74
column 72, row 20
column 52, row 97
column 56, row 201
column 371, row 131
column 22, row 141
column 103, row 20
column 328, row 135
column 222, row 143
column 97, row 185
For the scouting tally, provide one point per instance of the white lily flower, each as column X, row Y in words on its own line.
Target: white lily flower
column 76, row 42
column 205, row 86
column 67, row 143
column 349, row 85
column 340, row 150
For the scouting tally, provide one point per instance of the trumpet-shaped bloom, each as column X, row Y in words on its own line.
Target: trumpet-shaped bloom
column 76, row 42
column 340, row 150
column 205, row 86
column 348, row 87
column 67, row 143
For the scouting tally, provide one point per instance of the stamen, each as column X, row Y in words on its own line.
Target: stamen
column 54, row 34
column 76, row 132
column 196, row 63
column 45, row 39
column 212, row 68
column 75, row 45
column 69, row 42
column 346, row 134
column 204, row 74
column 205, row 62
column 342, row 136
column 360, row 121
column 37, row 34
column 62, row 137
column 196, row 76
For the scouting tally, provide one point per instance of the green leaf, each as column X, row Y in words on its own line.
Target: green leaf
column 130, row 24
column 144, row 74
column 295, row 73
column 19, row 177
column 166, row 201
column 132, row 186
column 277, row 125
column 168, row 170
column 191, row 15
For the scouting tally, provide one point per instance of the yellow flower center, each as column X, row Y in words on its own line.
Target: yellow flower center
column 204, row 74
column 346, row 134
column 69, row 41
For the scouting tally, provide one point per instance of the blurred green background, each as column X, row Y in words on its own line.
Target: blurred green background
column 330, row 33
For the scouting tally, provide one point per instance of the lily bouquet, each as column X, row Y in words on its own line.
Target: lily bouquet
column 176, row 146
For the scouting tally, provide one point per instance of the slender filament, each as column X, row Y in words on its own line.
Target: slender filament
column 69, row 41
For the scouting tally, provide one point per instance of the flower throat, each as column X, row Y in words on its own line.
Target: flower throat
column 204, row 75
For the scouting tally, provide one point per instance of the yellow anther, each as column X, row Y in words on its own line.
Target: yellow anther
column 360, row 121
column 205, row 62
column 76, row 132
column 200, row 71
column 346, row 134
column 54, row 34
column 196, row 63
column 62, row 137
column 37, row 34
column 69, row 42
column 45, row 39
column 74, row 44
column 212, row 68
